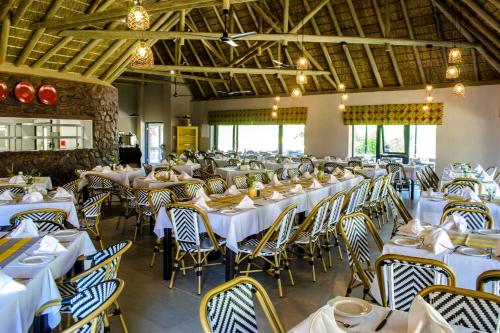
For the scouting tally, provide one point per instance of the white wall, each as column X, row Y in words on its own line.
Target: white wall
column 470, row 130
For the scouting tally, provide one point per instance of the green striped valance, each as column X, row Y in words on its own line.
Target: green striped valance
column 394, row 114
column 258, row 116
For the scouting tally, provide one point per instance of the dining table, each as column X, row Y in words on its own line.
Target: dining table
column 234, row 225
column 44, row 183
column 228, row 173
column 180, row 168
column 35, row 284
column 142, row 182
column 275, row 165
column 123, row 177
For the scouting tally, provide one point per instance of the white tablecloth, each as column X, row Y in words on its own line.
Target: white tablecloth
column 372, row 172
column 7, row 210
column 187, row 168
column 40, row 182
column 122, row 177
column 228, row 173
column 270, row 165
column 430, row 210
column 235, row 228
column 18, row 308
column 140, row 182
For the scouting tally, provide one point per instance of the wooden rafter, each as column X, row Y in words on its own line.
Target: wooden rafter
column 4, row 42
column 5, row 8
column 409, row 27
column 20, row 11
column 483, row 14
column 236, row 70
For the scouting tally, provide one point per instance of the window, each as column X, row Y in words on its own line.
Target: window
column 393, row 139
column 364, row 141
column 225, row 137
column 154, row 140
column 293, row 139
column 423, row 143
column 258, row 137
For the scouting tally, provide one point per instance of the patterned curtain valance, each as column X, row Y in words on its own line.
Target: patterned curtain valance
column 394, row 114
column 258, row 117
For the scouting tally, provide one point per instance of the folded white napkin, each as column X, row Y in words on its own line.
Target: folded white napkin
column 275, row 181
column 412, row 227
column 455, row 222
column 41, row 188
column 423, row 318
column 151, row 176
column 25, row 229
column 313, row 158
column 119, row 168
column 232, row 190
column 487, row 178
column 184, row 176
column 316, row 171
column 174, row 178
column 337, row 172
column 348, row 174
column 438, row 241
column 307, row 175
column 50, row 245
column 339, row 159
column 276, row 196
column 17, row 180
column 106, row 169
column 323, row 321
column 479, row 169
column 33, row 197
column 295, row 179
column 97, row 168
column 9, row 285
column 189, row 162
column 202, row 203
column 315, row 184
column 468, row 195
column 201, row 194
column 256, row 167
column 245, row 203
column 62, row 193
column 297, row 189
column 6, row 195
column 332, row 179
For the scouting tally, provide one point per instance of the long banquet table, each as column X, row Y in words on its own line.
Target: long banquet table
column 122, row 177
column 236, row 227
column 39, row 182
column 9, row 208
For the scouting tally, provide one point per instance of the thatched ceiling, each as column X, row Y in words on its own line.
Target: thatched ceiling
column 47, row 34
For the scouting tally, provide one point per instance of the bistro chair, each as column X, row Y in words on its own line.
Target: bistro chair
column 187, row 221
column 382, row 206
column 489, row 280
column 466, row 204
column 46, row 219
column 372, row 203
column 423, row 181
column 271, row 248
column 74, row 187
column 306, row 236
column 400, row 180
column 475, row 218
column 355, row 163
column 240, row 182
column 330, row 167
column 329, row 229
column 292, row 172
column 472, row 309
column 210, row 165
column 216, row 185
column 256, row 165
column 159, row 169
column 99, row 184
column 457, row 184
column 229, row 308
column 261, row 177
column 88, row 307
column 354, row 230
column 232, row 162
column 91, row 211
column 356, row 197
column 305, row 167
column 400, row 278
column 148, row 168
column 104, row 266
column 14, row 189
column 80, row 172
column 400, row 215
column 127, row 202
column 431, row 175
column 191, row 188
column 142, row 208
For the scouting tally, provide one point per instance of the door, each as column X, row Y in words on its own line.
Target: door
column 154, row 140
column 394, row 142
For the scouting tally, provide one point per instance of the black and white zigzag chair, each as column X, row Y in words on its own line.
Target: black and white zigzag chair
column 91, row 211
column 458, row 183
column 253, row 249
column 489, row 281
column 357, row 197
column 354, row 230
column 399, row 181
column 400, row 215
column 230, row 308
column 193, row 237
column 472, row 309
column 46, row 219
column 292, row 172
column 475, row 218
column 401, row 278
column 127, row 203
column 98, row 184
column 329, row 229
column 143, row 209
column 374, row 198
column 232, row 162
column 14, row 189
column 241, row 182
column 191, row 188
column 306, row 236
column 74, row 187
column 216, row 185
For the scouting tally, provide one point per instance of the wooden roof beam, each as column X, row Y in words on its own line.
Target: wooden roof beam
column 4, row 41
column 412, row 36
column 483, row 14
column 236, row 70
column 138, row 80
column 20, row 11
column 5, row 8
column 168, row 74
column 200, row 63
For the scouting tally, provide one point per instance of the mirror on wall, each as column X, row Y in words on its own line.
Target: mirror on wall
column 33, row 134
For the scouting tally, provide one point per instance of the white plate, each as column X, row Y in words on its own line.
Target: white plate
column 36, row 260
column 487, row 232
column 472, row 251
column 350, row 307
column 403, row 241
column 229, row 211
column 64, row 234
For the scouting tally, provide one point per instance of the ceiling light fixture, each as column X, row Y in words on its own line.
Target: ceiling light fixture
column 458, row 89
column 452, row 72
column 302, row 63
column 344, row 97
column 296, row 93
column 455, row 56
column 341, row 87
column 301, row 78
column 142, row 55
column 277, row 98
column 138, row 17
column 341, row 107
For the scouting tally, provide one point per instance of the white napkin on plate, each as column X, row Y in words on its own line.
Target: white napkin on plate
column 413, row 227
column 128, row 168
column 25, row 229
column 332, row 180
column 295, row 179
column 201, row 194
column 275, row 181
column 487, row 178
column 315, row 184
column 245, row 203
column 468, row 195
column 455, row 222
column 348, row 174
column 173, row 178
column 33, row 197
column 276, row 196
column 50, row 245
column 189, row 162
column 307, row 175
column 438, row 240
column 40, row 188
column 202, row 203
column 8, row 284
column 479, row 169
column 184, row 176
column 62, row 193
column 17, row 180
column 6, row 195
column 151, row 176
column 106, row 169
column 232, row 190
column 297, row 189
column 423, row 318
column 323, row 321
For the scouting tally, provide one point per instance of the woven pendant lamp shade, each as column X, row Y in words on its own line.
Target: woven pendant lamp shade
column 455, row 56
column 142, row 56
column 138, row 18
column 459, row 89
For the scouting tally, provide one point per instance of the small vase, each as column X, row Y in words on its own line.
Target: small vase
column 252, row 192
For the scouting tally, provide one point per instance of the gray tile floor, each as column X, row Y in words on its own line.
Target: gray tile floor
column 150, row 306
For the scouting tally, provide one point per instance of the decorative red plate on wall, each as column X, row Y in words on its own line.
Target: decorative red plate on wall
column 47, row 94
column 24, row 91
column 3, row 91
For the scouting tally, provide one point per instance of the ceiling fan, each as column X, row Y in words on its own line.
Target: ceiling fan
column 176, row 94
column 232, row 92
column 229, row 40
column 282, row 65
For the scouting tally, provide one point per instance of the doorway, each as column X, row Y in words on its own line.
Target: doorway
column 154, row 140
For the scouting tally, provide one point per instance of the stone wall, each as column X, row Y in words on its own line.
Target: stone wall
column 76, row 100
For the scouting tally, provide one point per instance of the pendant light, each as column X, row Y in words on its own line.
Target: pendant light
column 274, row 112
column 425, row 107
column 138, row 18
column 142, row 55
column 452, row 72
column 459, row 89
column 296, row 92
column 301, row 78
column 341, row 87
column 342, row 107
column 455, row 56
column 302, row 63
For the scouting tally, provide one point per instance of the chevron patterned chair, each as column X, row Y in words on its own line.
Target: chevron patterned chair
column 210, row 165
column 431, row 175
column 232, row 162
column 98, row 184
column 305, row 167
column 355, row 163
column 423, row 181
column 455, row 186
column 260, row 177
column 400, row 215
column 14, row 189
column 127, row 203
column 372, row 203
column 476, row 218
column 330, row 167
column 329, row 229
column 104, row 265
column 229, row 308
column 307, row 235
column 191, row 188
column 400, row 278
column 88, row 307
column 382, row 206
column 354, row 230
column 240, row 182
column 472, row 309
column 356, row 197
column 466, row 204
column 142, row 208
column 271, row 248
column 400, row 181
column 292, row 172
column 158, row 198
column 91, row 211
column 187, row 221
column 74, row 187
column 256, row 165
column 489, row 279
column 46, row 219
column 216, row 185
